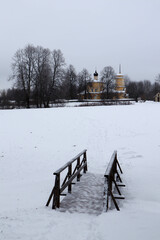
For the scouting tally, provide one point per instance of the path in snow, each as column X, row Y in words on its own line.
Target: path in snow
column 86, row 196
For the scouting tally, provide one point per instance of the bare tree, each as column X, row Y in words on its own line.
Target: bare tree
column 70, row 84
column 148, row 90
column 37, row 71
column 157, row 79
column 132, row 90
column 157, row 84
column 108, row 77
column 141, row 89
column 57, row 63
column 126, row 79
column 43, row 75
column 23, row 70
column 83, row 78
column 4, row 101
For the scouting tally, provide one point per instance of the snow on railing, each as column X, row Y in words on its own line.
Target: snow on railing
column 112, row 179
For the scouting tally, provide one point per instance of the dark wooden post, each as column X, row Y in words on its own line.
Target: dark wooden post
column 56, row 199
column 115, row 163
column 78, row 165
column 69, row 175
column 85, row 161
column 107, row 194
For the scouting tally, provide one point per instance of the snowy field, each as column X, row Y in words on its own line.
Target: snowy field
column 36, row 142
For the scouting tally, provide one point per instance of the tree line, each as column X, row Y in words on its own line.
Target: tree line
column 144, row 90
column 41, row 76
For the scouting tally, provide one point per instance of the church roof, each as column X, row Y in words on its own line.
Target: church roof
column 95, row 74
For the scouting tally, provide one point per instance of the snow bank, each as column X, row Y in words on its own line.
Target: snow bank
column 36, row 142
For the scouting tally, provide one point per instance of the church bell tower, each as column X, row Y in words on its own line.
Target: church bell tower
column 120, row 86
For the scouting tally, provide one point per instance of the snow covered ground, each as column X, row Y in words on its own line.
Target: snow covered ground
column 36, row 142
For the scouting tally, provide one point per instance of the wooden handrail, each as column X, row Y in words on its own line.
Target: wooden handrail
column 70, row 176
column 112, row 176
column 68, row 163
column 111, row 164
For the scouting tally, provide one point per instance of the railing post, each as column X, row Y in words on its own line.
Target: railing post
column 107, row 204
column 56, row 199
column 115, row 161
column 85, row 161
column 78, row 165
column 69, row 175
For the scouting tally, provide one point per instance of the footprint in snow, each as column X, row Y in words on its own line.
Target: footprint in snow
column 136, row 156
column 130, row 152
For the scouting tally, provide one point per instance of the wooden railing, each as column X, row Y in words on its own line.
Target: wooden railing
column 80, row 164
column 113, row 181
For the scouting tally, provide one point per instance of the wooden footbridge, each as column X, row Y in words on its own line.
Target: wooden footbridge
column 93, row 193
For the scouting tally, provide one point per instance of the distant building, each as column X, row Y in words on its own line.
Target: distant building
column 94, row 89
column 157, row 97
column 120, row 90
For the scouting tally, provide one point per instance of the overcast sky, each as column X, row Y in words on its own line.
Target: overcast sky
column 90, row 33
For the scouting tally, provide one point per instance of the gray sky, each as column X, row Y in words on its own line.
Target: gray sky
column 90, row 33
